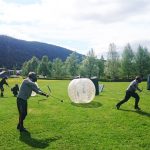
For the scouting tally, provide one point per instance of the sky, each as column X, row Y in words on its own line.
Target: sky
column 78, row 24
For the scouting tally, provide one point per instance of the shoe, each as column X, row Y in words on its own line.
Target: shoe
column 137, row 108
column 117, row 106
column 18, row 126
column 23, row 130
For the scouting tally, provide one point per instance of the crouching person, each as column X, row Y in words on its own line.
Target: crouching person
column 131, row 92
column 15, row 90
column 27, row 86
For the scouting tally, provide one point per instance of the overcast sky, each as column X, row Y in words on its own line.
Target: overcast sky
column 78, row 24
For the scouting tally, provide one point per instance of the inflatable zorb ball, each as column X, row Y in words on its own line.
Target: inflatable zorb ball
column 81, row 90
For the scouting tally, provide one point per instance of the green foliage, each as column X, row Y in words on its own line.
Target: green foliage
column 89, row 66
column 67, row 126
column 101, row 65
column 113, row 68
column 72, row 64
column 24, row 69
column 45, row 67
column 33, row 64
column 112, row 64
column 128, row 63
column 30, row 65
column 57, row 68
column 142, row 61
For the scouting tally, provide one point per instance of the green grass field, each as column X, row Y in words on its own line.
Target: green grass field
column 67, row 126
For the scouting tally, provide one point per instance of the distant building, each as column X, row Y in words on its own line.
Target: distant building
column 3, row 74
column 8, row 72
column 2, row 69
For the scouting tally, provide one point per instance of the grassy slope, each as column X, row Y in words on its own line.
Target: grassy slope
column 67, row 126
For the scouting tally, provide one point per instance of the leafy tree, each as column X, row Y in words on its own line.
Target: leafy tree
column 57, row 68
column 128, row 62
column 71, row 63
column 33, row 64
column 142, row 61
column 44, row 67
column 89, row 66
column 112, row 64
column 24, row 70
column 15, row 70
column 30, row 65
column 49, row 67
column 101, row 63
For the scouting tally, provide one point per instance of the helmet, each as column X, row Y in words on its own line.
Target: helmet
column 5, row 77
column 138, row 78
column 32, row 76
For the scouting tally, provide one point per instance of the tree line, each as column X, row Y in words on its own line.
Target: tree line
column 116, row 66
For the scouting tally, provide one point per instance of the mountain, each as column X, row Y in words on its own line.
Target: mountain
column 14, row 52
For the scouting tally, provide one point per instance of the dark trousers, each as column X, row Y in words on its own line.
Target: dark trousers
column 22, row 109
column 127, row 97
column 2, row 91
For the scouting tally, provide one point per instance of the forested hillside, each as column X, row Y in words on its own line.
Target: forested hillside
column 14, row 52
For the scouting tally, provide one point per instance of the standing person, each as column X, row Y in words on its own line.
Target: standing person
column 131, row 92
column 27, row 86
column 2, row 82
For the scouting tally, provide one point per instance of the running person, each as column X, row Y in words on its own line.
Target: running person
column 131, row 92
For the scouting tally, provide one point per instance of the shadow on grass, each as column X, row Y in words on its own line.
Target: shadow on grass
column 143, row 113
column 88, row 105
column 41, row 100
column 36, row 143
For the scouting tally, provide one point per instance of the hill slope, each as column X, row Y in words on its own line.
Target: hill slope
column 14, row 52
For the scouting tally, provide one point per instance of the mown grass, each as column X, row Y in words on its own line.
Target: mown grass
column 67, row 126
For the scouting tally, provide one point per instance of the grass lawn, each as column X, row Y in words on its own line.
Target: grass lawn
column 67, row 126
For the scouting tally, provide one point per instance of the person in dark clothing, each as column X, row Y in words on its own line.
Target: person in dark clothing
column 2, row 82
column 28, row 85
column 15, row 90
column 131, row 92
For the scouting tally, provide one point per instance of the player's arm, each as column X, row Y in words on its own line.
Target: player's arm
column 36, row 89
